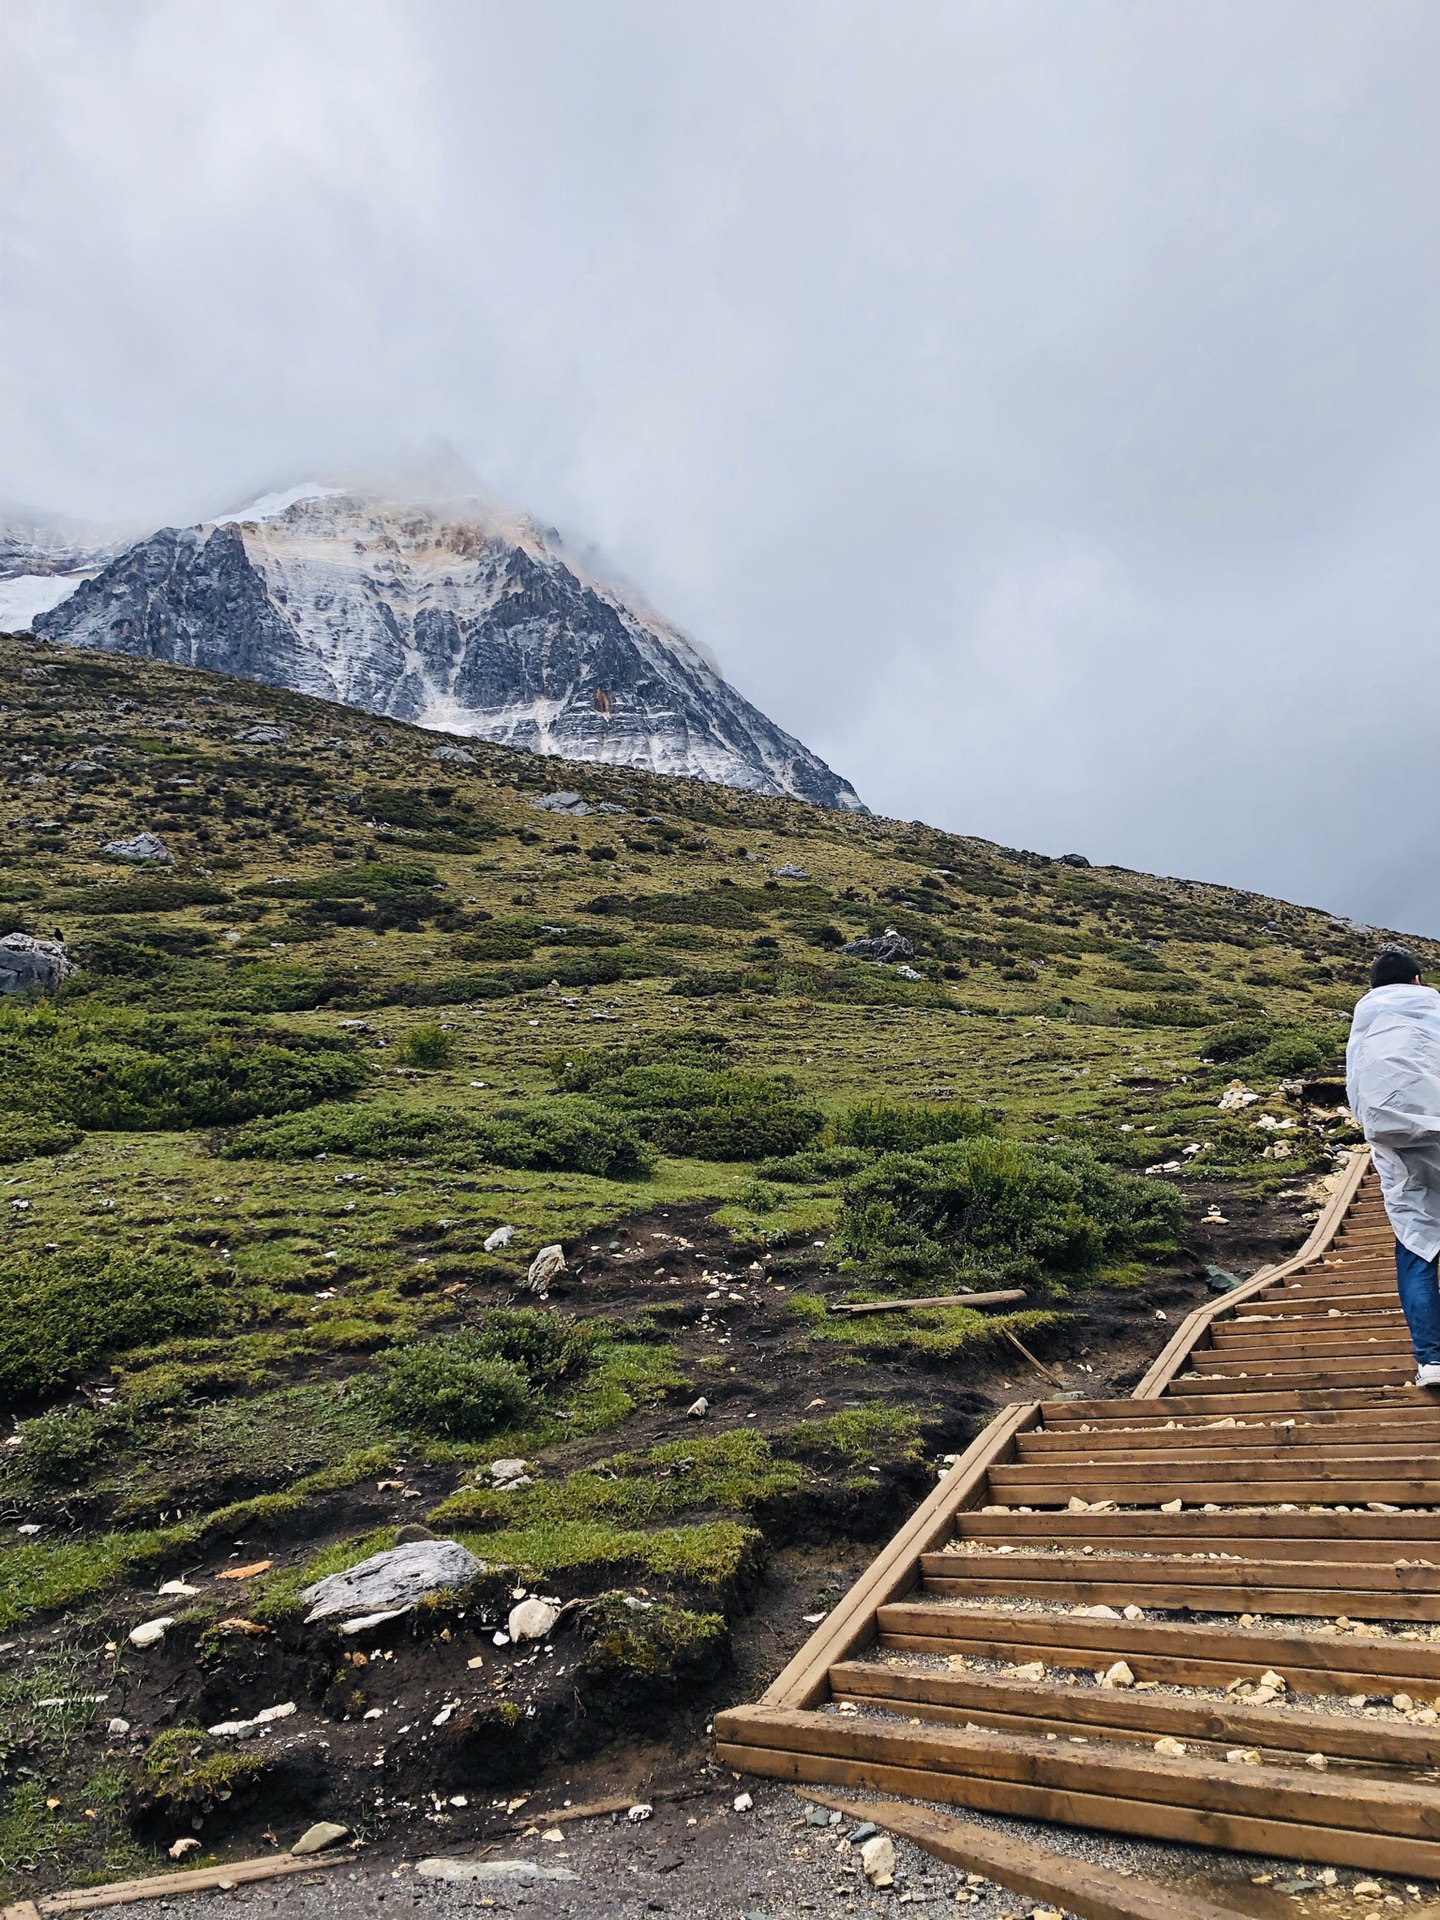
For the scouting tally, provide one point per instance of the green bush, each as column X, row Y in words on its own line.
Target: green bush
column 882, row 1127
column 28, row 1136
column 541, row 1342
column 124, row 1074
column 429, row 1045
column 1264, row 1046
column 999, row 1208
column 61, row 1313
column 715, row 1116
column 565, row 1135
column 810, row 1169
column 455, row 1389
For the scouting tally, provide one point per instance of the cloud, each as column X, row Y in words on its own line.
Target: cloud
column 1032, row 403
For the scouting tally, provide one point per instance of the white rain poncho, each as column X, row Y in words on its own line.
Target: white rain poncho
column 1392, row 1074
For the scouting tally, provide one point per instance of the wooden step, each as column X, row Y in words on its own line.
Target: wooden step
column 1322, row 1589
column 1045, row 1706
column 1188, row 1655
column 1351, row 1821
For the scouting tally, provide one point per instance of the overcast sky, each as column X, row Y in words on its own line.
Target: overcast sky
column 1032, row 403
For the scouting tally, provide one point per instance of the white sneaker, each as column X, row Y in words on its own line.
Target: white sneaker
column 1428, row 1376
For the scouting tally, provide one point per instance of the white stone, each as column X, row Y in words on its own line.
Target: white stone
column 369, row 1620
column 742, row 1803
column 532, row 1620
column 698, row 1410
column 499, row 1237
column 442, row 1868
column 877, row 1860
column 151, row 1632
column 140, row 846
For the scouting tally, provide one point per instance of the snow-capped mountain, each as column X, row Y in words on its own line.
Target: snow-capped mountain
column 460, row 616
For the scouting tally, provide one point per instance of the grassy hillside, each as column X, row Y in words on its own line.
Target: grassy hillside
column 381, row 1004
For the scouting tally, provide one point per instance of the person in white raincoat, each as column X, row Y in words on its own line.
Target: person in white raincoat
column 1392, row 1076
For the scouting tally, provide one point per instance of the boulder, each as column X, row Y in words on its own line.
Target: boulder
column 453, row 756
column 498, row 1237
column 562, row 802
column 140, row 846
column 28, row 962
column 392, row 1580
column 889, row 946
column 545, row 1269
column 263, row 736
column 791, row 872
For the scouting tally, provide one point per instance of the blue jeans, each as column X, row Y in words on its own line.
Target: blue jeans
column 1420, row 1302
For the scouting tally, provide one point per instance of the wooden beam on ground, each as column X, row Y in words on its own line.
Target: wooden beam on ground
column 1005, row 1297
column 1024, row 1867
column 163, row 1886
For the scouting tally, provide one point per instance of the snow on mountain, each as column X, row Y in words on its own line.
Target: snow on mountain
column 464, row 617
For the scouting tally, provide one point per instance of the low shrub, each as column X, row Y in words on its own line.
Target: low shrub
column 881, row 1126
column 1266, row 1047
column 116, row 1073
column 687, row 1105
column 564, row 1135
column 811, row 1168
column 61, row 1313
column 30, row 1136
column 455, row 1389
column 541, row 1342
column 1001, row 1209
column 430, row 1045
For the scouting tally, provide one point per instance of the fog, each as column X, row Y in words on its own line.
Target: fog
column 1033, row 404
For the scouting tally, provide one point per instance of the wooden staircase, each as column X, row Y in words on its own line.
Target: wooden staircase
column 1087, row 1620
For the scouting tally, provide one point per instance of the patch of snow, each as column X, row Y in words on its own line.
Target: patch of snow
column 269, row 504
column 27, row 594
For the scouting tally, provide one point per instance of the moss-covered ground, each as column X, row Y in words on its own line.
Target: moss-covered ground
column 379, row 1005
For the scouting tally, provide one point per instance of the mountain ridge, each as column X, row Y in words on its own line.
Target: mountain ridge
column 463, row 616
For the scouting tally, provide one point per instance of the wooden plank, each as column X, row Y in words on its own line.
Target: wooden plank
column 1021, row 1487
column 1143, row 1715
column 1170, row 1669
column 851, row 1625
column 1389, row 1581
column 1259, row 1809
column 1342, row 1529
column 1362, row 1803
column 1031, row 1868
column 163, row 1886
column 1004, row 1297
column 1411, row 1664
column 1234, row 1833
column 1240, row 1595
column 1346, row 1435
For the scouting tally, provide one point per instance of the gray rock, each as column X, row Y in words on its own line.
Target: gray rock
column 545, row 1269
column 570, row 803
column 453, row 756
column 791, row 873
column 84, row 766
column 513, row 1871
column 909, row 973
column 323, row 1834
column 889, row 946
column 503, row 1471
column 28, row 962
column 264, row 736
column 500, row 1237
column 390, row 1580
column 140, row 846
column 1073, row 860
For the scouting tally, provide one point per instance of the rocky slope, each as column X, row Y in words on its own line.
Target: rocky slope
column 457, row 617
